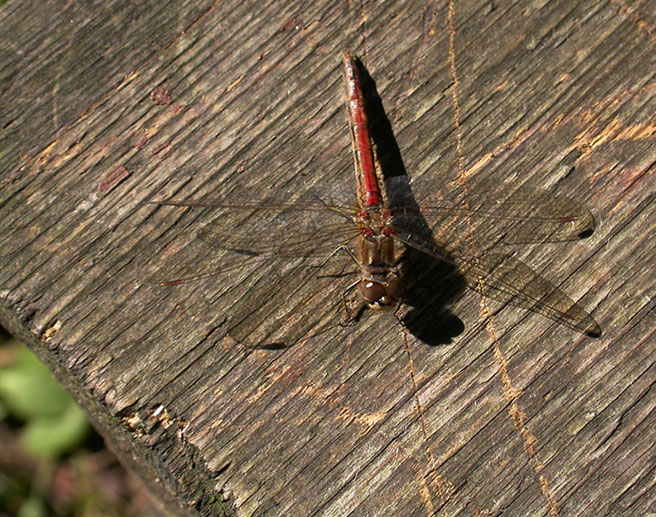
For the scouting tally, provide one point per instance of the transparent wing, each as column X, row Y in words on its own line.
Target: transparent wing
column 498, row 275
column 262, row 232
column 499, row 214
column 271, row 298
column 280, row 240
column 268, row 302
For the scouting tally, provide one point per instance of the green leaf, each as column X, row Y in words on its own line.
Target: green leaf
column 28, row 390
column 33, row 506
column 51, row 436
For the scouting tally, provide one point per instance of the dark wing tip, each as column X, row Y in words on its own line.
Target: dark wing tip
column 594, row 331
column 268, row 346
column 585, row 233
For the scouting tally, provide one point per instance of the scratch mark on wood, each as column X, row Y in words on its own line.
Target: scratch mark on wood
column 193, row 22
column 309, row 32
column 607, row 103
column 233, row 84
column 366, row 421
column 640, row 131
column 613, row 131
column 424, row 493
column 515, row 412
column 444, row 488
column 55, row 96
column 518, row 416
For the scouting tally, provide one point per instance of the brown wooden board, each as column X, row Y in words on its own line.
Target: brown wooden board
column 106, row 106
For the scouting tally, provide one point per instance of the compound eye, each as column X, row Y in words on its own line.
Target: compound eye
column 372, row 292
column 395, row 288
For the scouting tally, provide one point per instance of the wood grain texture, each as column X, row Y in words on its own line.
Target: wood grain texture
column 104, row 107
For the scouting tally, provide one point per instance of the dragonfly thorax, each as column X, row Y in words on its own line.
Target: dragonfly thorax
column 375, row 221
column 380, row 287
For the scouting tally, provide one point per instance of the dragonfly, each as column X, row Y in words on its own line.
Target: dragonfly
column 469, row 229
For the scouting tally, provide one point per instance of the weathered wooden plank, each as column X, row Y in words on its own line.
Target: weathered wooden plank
column 516, row 414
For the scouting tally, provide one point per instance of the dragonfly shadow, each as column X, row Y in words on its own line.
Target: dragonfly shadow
column 386, row 148
column 434, row 286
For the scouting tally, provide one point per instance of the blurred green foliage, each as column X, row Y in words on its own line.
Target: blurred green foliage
column 53, row 424
column 51, row 462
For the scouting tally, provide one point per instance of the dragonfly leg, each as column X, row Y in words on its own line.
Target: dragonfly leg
column 346, row 250
column 335, row 252
column 351, row 315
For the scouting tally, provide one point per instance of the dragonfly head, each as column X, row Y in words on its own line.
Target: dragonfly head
column 382, row 296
